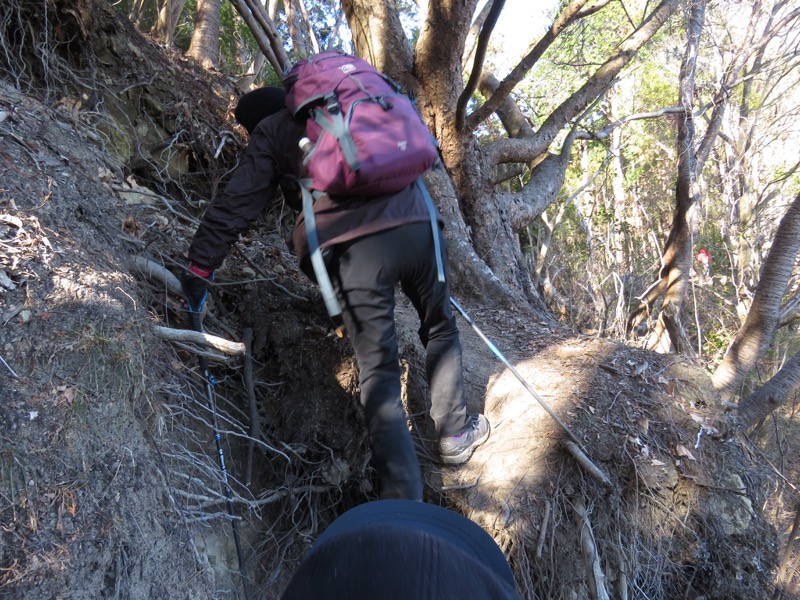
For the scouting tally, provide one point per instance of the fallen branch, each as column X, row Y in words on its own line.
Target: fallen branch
column 153, row 270
column 543, row 532
column 587, row 464
column 13, row 374
column 201, row 339
column 596, row 577
column 214, row 357
column 622, row 576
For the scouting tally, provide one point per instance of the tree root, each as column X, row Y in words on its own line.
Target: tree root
column 596, row 577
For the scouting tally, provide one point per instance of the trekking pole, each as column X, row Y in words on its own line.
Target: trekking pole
column 212, row 403
column 516, row 373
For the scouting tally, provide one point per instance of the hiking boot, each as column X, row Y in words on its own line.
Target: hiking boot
column 458, row 449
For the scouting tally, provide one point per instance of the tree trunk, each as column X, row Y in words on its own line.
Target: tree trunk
column 204, row 47
column 755, row 336
column 304, row 40
column 136, row 11
column 378, row 37
column 263, row 28
column 167, row 22
column 677, row 256
column 771, row 395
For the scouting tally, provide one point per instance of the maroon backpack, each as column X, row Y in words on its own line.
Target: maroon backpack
column 367, row 138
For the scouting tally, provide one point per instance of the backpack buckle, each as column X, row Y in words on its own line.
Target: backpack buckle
column 332, row 104
column 384, row 103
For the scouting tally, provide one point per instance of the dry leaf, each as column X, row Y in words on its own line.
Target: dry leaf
column 682, row 450
column 643, row 423
column 696, row 418
column 68, row 392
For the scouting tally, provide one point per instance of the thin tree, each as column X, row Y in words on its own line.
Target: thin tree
column 167, row 22
column 677, row 255
column 304, row 40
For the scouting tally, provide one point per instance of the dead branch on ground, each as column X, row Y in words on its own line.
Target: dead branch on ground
column 201, row 339
column 596, row 577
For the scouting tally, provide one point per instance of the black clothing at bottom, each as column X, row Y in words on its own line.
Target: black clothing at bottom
column 395, row 549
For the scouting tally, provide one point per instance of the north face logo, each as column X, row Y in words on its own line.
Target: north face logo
column 348, row 68
column 402, row 145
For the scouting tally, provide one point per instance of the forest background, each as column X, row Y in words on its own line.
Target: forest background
column 632, row 177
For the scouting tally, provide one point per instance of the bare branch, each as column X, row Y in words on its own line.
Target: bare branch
column 587, row 464
column 790, row 311
column 201, row 339
column 591, row 556
column 655, row 114
column 477, row 66
column 153, row 270
column 474, row 33
column 264, row 31
column 569, row 15
column 770, row 396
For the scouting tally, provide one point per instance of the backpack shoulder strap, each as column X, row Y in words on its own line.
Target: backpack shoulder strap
column 437, row 246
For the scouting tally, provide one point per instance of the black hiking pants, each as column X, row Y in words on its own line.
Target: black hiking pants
column 364, row 273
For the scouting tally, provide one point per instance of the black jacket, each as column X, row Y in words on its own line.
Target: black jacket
column 273, row 159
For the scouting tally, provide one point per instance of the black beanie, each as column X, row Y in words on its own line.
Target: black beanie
column 259, row 104
column 400, row 549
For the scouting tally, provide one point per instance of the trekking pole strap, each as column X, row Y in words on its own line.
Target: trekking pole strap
column 437, row 245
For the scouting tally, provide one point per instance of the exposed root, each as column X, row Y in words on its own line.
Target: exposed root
column 591, row 558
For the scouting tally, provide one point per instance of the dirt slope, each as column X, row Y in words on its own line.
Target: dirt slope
column 84, row 509
column 109, row 483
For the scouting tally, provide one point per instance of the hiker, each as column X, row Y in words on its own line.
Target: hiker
column 397, row 549
column 370, row 245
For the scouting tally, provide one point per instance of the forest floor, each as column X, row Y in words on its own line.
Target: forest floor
column 109, row 482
